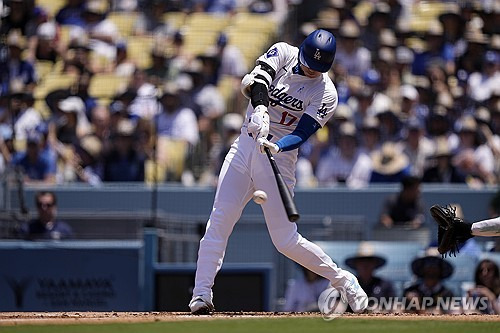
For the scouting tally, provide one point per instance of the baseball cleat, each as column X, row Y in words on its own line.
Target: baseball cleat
column 201, row 305
column 355, row 295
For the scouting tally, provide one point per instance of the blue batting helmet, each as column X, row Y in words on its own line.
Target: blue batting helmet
column 317, row 51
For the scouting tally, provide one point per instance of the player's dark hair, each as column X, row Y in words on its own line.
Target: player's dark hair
column 495, row 288
column 40, row 194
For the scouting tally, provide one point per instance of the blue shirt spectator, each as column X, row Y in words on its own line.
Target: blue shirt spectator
column 46, row 225
column 71, row 14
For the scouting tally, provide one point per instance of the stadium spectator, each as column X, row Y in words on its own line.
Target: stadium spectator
column 72, row 13
column 19, row 69
column 177, row 131
column 45, row 45
column 389, row 164
column 416, row 146
column 72, row 121
column 46, row 226
column 487, row 280
column 353, row 58
column 302, row 293
column 145, row 104
column 378, row 19
column 482, row 84
column 437, row 49
column 365, row 262
column 370, row 135
column 442, row 170
column 228, row 59
column 19, row 16
column 337, row 164
column 431, row 270
column 123, row 163
column 404, row 208
column 158, row 72
column 123, row 65
column 21, row 115
column 152, row 20
column 474, row 159
column 102, row 32
column 35, row 167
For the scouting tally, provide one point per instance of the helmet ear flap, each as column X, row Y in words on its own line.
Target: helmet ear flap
column 318, row 50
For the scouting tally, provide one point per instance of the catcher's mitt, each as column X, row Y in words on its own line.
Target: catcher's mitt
column 452, row 232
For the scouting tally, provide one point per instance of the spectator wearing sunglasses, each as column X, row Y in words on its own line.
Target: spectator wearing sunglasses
column 46, row 226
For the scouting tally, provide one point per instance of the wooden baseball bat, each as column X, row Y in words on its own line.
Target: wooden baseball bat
column 286, row 196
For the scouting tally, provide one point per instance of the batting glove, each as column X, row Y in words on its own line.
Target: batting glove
column 265, row 143
column 258, row 125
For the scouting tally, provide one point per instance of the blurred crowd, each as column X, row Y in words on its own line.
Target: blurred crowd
column 428, row 291
column 419, row 95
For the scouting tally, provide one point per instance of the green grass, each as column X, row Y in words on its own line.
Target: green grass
column 257, row 325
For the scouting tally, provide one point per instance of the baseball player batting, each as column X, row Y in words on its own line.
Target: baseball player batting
column 291, row 97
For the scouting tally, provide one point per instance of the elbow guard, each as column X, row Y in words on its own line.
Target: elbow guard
column 262, row 73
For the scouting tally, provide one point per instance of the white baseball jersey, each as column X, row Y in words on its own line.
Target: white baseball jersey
column 291, row 95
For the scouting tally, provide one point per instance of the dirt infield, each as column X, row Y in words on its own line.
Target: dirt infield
column 37, row 318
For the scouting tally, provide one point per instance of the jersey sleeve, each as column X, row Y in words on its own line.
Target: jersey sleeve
column 322, row 105
column 277, row 55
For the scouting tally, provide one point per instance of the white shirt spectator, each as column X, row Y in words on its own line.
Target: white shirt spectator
column 26, row 122
column 181, row 124
column 145, row 104
column 335, row 167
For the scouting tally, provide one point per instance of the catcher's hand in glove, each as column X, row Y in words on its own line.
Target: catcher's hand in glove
column 452, row 232
column 265, row 143
column 258, row 124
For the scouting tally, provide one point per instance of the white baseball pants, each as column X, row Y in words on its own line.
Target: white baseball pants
column 245, row 170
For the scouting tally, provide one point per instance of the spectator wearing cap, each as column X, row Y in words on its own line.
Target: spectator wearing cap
column 474, row 157
column 416, row 146
column 72, row 123
column 23, row 117
column 472, row 59
column 439, row 125
column 35, row 168
column 152, row 21
column 431, row 270
column 145, row 104
column 175, row 120
column 365, row 262
column 19, row 69
column 389, row 164
column 46, row 226
column 123, row 66
column 336, row 166
column 229, row 59
column 123, row 163
column 351, row 56
column 404, row 59
column 482, row 84
column 102, row 32
column 158, row 72
column 46, row 46
column 442, row 169
column 378, row 19
column 437, row 48
column 404, row 208
column 370, row 135
column 177, row 130
column 71, row 13
column 453, row 24
column 409, row 98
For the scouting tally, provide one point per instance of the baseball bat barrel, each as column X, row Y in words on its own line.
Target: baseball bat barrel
column 286, row 196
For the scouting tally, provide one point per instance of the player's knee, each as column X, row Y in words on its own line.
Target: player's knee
column 284, row 243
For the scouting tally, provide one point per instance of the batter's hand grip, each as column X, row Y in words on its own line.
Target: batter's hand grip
column 286, row 196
